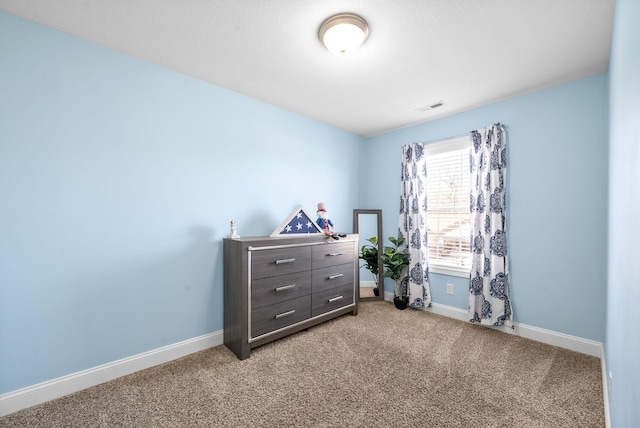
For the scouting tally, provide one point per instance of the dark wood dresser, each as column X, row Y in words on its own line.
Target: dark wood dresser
column 277, row 286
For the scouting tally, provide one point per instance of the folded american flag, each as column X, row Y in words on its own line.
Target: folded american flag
column 298, row 223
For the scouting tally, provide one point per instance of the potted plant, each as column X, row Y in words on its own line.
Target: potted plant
column 396, row 262
column 369, row 253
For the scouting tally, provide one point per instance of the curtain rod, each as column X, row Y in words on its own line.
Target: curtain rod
column 445, row 138
column 460, row 135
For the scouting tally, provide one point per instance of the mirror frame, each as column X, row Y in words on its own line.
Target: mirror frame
column 378, row 213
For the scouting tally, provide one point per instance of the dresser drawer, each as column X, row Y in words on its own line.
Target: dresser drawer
column 280, row 261
column 336, row 253
column 332, row 276
column 276, row 289
column 328, row 300
column 279, row 315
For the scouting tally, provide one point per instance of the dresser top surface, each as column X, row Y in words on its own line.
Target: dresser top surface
column 302, row 239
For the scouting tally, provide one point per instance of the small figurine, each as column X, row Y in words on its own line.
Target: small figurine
column 233, row 234
column 325, row 224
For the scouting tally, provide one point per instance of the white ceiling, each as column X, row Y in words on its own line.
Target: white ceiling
column 465, row 53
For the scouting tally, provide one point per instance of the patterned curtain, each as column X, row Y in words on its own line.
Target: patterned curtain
column 489, row 301
column 412, row 223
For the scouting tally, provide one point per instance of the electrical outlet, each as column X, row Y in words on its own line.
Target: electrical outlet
column 449, row 288
column 610, row 385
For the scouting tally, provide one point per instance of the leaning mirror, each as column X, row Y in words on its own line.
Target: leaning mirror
column 368, row 225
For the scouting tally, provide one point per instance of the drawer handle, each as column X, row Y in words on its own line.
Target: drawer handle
column 335, row 254
column 336, row 276
column 335, row 299
column 283, row 261
column 285, row 314
column 285, row 287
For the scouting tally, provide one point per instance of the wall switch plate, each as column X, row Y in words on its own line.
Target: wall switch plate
column 449, row 288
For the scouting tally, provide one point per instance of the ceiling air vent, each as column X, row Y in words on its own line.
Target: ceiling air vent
column 430, row 107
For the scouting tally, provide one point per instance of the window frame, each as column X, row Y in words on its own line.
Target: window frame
column 442, row 146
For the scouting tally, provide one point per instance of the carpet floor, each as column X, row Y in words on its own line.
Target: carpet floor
column 381, row 368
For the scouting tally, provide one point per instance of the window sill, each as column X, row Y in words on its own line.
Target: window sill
column 449, row 270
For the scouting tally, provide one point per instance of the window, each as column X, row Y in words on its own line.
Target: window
column 448, row 216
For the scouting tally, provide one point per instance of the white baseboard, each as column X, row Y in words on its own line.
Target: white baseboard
column 46, row 391
column 605, row 390
column 573, row 343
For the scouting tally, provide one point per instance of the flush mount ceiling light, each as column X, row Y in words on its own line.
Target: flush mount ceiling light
column 343, row 34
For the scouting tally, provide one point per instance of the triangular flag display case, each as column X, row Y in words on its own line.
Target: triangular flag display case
column 299, row 223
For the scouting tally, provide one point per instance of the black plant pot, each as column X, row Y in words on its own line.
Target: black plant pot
column 401, row 302
column 376, row 292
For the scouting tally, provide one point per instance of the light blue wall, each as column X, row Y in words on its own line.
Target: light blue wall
column 623, row 317
column 557, row 201
column 118, row 180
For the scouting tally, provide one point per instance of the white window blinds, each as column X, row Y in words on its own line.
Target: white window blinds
column 448, row 216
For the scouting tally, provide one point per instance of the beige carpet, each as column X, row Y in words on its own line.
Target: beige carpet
column 356, row 371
